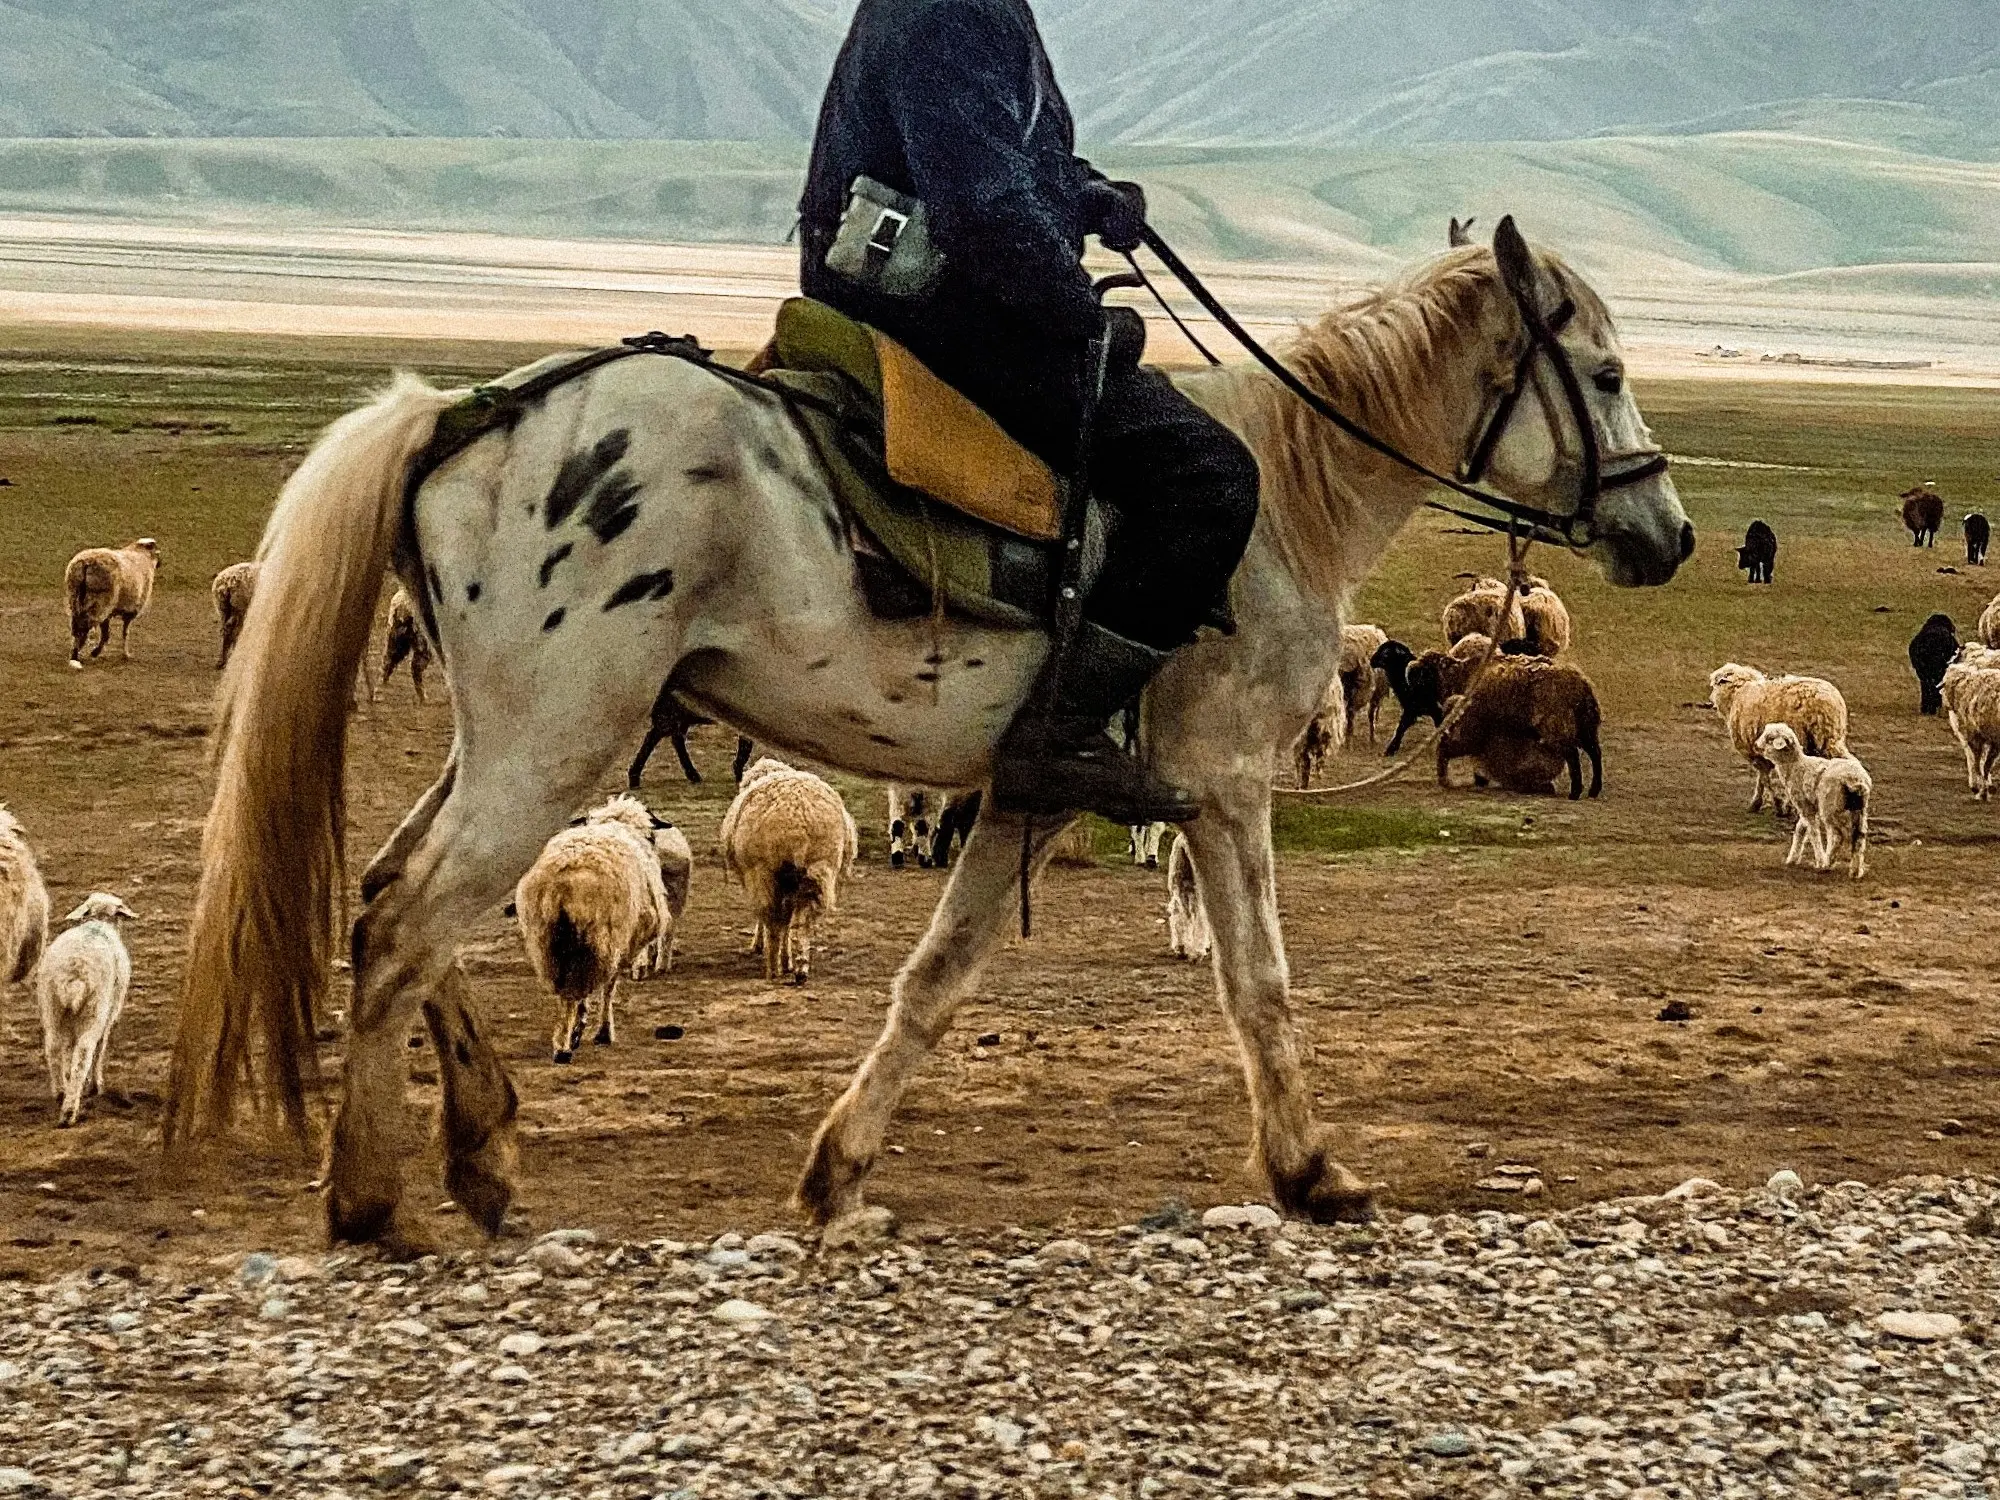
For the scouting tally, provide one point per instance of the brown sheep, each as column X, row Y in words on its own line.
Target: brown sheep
column 102, row 584
column 1488, row 608
column 1524, row 719
column 234, row 587
column 1923, row 514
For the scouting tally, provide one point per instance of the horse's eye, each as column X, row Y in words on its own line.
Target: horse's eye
column 1609, row 381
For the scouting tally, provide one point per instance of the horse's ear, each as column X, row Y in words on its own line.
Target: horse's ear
column 1516, row 260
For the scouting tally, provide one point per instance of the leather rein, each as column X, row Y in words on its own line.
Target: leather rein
column 1575, row 529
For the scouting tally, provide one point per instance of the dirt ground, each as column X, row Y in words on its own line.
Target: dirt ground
column 1469, row 968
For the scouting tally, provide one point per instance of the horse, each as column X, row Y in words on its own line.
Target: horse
column 651, row 522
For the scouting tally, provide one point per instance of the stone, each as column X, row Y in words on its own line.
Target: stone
column 511, row 1375
column 396, row 1469
column 1964, row 1458
column 122, row 1322
column 1301, row 1300
column 19, row 1482
column 1189, row 1248
column 1545, row 1238
column 861, row 1230
column 274, row 1309
column 570, row 1237
column 409, row 1328
column 1449, row 1443
column 1920, row 1327
column 737, row 1313
column 298, row 1268
column 1694, row 1187
column 1785, row 1182
column 258, row 1267
column 768, row 1246
column 1007, row 1435
column 509, row 1475
column 555, row 1258
column 1241, row 1216
column 521, row 1345
column 1064, row 1253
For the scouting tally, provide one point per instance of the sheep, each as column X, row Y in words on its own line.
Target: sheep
column 1524, row 719
column 1545, row 623
column 1424, row 684
column 234, row 587
column 24, row 905
column 1970, row 692
column 1142, row 843
column 1978, row 533
column 787, row 839
column 672, row 719
column 81, row 985
column 1975, row 655
column 406, row 638
column 597, row 905
column 1488, row 608
column 1748, row 700
column 1187, row 921
column 1932, row 649
column 1758, row 556
column 1361, row 681
column 1923, row 513
column 1326, row 733
column 926, row 821
column 102, row 584
column 1821, row 789
column 1989, row 624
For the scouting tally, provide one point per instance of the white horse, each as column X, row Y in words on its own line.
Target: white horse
column 651, row 522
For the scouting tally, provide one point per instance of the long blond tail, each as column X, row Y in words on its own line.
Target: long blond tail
column 273, row 849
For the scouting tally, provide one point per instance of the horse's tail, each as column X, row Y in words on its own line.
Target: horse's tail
column 273, row 848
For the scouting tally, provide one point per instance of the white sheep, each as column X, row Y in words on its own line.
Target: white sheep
column 1971, row 693
column 1821, row 790
column 1972, row 654
column 596, row 906
column 1545, row 622
column 102, row 584
column 81, row 985
column 787, row 839
column 233, row 589
column 1363, row 684
column 1187, row 920
column 1989, row 624
column 406, row 638
column 1748, row 700
column 24, row 905
column 1142, row 842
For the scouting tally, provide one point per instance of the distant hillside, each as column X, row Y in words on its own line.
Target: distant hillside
column 1762, row 204
column 1923, row 74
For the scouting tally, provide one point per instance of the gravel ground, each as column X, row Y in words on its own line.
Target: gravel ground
column 1786, row 1341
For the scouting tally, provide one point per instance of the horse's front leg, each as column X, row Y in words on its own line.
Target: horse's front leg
column 1231, row 846
column 968, row 925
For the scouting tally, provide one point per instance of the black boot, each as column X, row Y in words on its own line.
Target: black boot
column 1058, row 756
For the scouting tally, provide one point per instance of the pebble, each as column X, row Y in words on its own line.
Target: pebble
column 1920, row 1327
column 521, row 1345
column 775, row 1246
column 1785, row 1183
column 1241, row 1216
column 1964, row 1458
column 508, row 1475
column 19, row 1482
column 861, row 1230
column 258, row 1267
column 740, row 1314
column 1064, row 1253
column 555, row 1258
column 511, row 1375
column 1448, row 1444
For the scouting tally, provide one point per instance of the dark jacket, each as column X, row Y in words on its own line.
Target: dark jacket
column 954, row 102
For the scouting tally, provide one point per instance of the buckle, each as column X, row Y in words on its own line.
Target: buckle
column 889, row 217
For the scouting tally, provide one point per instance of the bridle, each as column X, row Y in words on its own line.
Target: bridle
column 1575, row 528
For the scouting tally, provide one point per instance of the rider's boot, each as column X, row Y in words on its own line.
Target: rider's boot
column 1058, row 757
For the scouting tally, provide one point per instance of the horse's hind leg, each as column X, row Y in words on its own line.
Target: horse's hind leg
column 1231, row 845
column 968, row 925
column 476, row 1109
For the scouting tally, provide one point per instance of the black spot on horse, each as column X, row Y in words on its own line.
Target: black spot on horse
column 555, row 560
column 555, row 618
column 819, row 666
column 769, row 457
column 472, row 593
column 883, row 739
column 975, row 661
column 715, row 471
column 642, row 586
column 612, row 509
column 583, row 472
column 927, row 677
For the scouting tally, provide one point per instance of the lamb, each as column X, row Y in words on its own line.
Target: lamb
column 1978, row 534
column 1989, row 624
column 1923, row 513
column 24, row 905
column 1932, row 649
column 234, row 587
column 81, row 985
column 102, row 584
column 672, row 719
column 926, row 821
column 1970, row 693
column 1758, row 556
column 601, row 901
column 406, row 639
column 1361, row 681
column 1523, row 720
column 1748, row 700
column 1187, row 921
column 1424, row 684
column 1326, row 733
column 1488, row 608
column 787, row 839
column 1821, row 790
column 1545, row 622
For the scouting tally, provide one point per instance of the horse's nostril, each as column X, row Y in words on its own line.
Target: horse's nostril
column 1687, row 540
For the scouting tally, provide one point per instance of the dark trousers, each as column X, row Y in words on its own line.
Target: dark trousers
column 1182, row 489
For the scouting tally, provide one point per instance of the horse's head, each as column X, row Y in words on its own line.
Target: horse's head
column 1563, row 432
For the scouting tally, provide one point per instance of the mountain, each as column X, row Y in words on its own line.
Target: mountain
column 1921, row 74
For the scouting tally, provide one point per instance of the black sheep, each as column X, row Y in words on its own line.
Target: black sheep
column 1977, row 534
column 1932, row 650
column 1759, row 553
column 672, row 719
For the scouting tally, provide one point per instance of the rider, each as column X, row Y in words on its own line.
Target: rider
column 954, row 103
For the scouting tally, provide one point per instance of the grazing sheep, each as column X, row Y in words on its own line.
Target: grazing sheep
column 1545, row 622
column 1362, row 683
column 81, row 984
column 1523, row 720
column 1970, row 692
column 595, row 906
column 1978, row 533
column 672, row 719
column 1488, row 608
column 406, row 638
column 1932, row 649
column 927, row 822
column 1325, row 734
column 1748, row 700
column 24, row 905
column 1923, row 513
column 102, row 584
column 1424, row 684
column 1821, row 790
column 234, row 587
column 787, row 839
column 1758, row 556
column 1187, row 921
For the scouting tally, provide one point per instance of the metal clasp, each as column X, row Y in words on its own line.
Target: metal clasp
column 888, row 216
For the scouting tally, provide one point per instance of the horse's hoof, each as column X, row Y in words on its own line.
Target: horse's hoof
column 563, row 1059
column 896, row 860
column 483, row 1194
column 830, row 1188
column 1325, row 1192
column 358, row 1223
